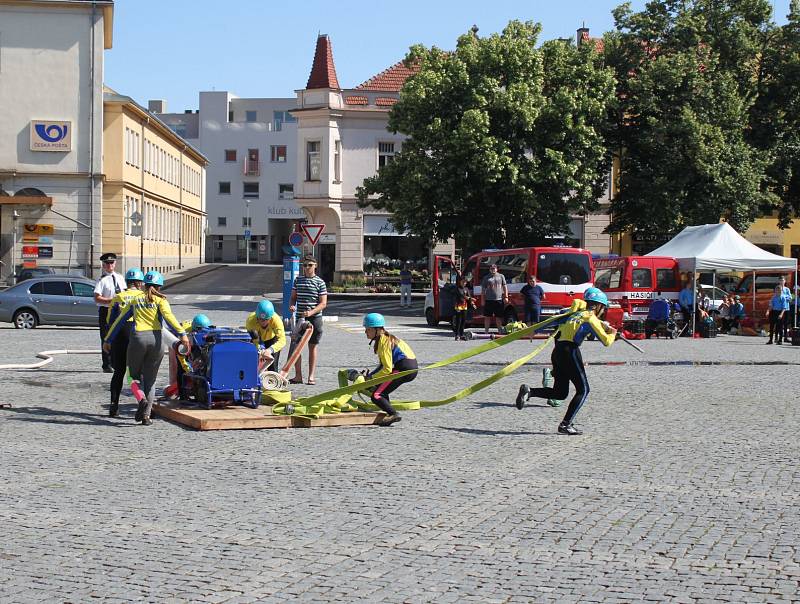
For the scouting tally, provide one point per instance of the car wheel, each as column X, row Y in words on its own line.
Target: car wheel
column 25, row 318
column 510, row 316
column 431, row 318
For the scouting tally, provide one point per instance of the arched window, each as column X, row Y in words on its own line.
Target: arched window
column 29, row 192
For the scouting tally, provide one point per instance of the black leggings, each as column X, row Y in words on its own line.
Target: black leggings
column 775, row 325
column 380, row 396
column 567, row 367
column 119, row 359
column 459, row 320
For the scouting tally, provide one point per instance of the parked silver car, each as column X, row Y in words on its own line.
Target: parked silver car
column 50, row 300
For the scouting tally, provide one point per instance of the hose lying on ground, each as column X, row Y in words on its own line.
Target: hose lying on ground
column 47, row 355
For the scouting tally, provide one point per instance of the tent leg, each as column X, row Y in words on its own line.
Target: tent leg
column 795, row 297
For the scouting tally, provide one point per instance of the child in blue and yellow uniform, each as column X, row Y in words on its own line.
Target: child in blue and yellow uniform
column 134, row 279
column 566, row 358
column 266, row 330
column 149, row 309
column 394, row 356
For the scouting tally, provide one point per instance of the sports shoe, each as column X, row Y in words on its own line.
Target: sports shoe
column 522, row 396
column 171, row 392
column 388, row 420
column 113, row 410
column 140, row 411
column 147, row 421
column 570, row 429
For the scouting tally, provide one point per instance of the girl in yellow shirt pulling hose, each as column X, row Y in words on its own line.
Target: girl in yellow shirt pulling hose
column 394, row 356
column 149, row 310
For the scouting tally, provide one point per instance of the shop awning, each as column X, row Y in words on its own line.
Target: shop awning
column 379, row 226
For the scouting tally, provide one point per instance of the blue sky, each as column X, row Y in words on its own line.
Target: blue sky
column 173, row 49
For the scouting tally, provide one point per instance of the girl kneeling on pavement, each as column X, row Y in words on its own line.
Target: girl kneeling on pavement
column 567, row 360
column 394, row 356
column 119, row 349
column 149, row 309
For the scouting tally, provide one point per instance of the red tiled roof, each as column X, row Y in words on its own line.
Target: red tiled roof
column 323, row 71
column 383, row 101
column 389, row 80
column 356, row 100
column 598, row 43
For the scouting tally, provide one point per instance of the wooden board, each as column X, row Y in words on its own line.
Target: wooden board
column 236, row 417
column 338, row 419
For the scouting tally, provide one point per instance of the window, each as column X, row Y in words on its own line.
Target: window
column 250, row 116
column 277, row 153
column 608, row 277
column 563, row 269
column 57, row 288
column 281, row 117
column 313, row 166
column 642, row 278
column 179, row 129
column 251, row 189
column 665, row 279
column 286, row 191
column 222, row 221
column 337, row 161
column 469, row 271
column 247, row 221
column 385, row 154
column 82, row 290
column 252, row 155
column 230, row 154
column 224, row 188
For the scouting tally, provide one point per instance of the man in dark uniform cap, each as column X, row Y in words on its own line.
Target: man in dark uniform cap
column 109, row 285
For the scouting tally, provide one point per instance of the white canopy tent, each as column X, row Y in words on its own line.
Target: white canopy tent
column 718, row 247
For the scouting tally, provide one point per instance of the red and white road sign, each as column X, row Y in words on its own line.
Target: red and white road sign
column 313, row 232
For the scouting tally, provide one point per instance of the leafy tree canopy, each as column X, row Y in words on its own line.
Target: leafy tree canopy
column 687, row 74
column 505, row 139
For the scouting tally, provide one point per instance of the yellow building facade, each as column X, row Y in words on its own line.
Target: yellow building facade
column 153, row 212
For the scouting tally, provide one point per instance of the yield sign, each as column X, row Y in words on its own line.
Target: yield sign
column 313, row 231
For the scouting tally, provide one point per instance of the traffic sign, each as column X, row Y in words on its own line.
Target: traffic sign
column 247, row 234
column 313, row 231
column 296, row 239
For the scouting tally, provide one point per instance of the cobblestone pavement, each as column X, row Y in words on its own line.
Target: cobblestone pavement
column 684, row 487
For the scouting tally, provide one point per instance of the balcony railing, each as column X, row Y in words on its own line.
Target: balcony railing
column 251, row 167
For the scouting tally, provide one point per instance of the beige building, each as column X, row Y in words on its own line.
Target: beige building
column 153, row 212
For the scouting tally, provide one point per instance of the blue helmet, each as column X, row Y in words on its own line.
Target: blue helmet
column 593, row 294
column 134, row 274
column 374, row 319
column 265, row 310
column 200, row 322
column 153, row 278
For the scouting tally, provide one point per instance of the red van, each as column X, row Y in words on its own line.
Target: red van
column 757, row 306
column 633, row 281
column 562, row 272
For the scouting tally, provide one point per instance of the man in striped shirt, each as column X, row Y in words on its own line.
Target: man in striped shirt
column 309, row 299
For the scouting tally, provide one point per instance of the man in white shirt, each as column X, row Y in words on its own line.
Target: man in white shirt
column 108, row 285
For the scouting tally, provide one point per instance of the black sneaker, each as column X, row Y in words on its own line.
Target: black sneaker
column 147, row 421
column 140, row 411
column 113, row 410
column 388, row 420
column 522, row 395
column 570, row 429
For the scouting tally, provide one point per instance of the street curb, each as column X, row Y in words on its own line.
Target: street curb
column 191, row 273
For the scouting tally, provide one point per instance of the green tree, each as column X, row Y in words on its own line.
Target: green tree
column 505, row 140
column 776, row 116
column 687, row 81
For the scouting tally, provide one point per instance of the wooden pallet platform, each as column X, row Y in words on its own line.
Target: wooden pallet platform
column 236, row 417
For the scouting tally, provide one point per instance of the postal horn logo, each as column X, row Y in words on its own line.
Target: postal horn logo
column 52, row 133
column 49, row 135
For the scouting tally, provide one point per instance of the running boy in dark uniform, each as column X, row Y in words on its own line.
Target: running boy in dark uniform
column 567, row 360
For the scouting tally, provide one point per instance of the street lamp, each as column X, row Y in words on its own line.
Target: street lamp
column 247, row 230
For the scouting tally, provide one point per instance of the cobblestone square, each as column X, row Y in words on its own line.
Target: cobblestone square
column 683, row 488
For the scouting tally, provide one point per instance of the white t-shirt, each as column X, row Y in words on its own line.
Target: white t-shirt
column 109, row 285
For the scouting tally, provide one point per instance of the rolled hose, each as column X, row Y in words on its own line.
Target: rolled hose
column 47, row 356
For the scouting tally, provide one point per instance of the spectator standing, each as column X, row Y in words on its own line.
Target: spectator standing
column 108, row 285
column 533, row 295
column 494, row 296
column 309, row 299
column 686, row 302
column 405, row 285
column 778, row 308
column 787, row 294
column 463, row 301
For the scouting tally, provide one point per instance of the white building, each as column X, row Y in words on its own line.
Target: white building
column 51, row 129
column 250, row 144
